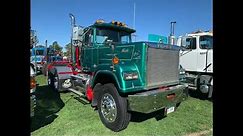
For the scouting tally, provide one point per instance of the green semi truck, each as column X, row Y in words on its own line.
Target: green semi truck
column 118, row 76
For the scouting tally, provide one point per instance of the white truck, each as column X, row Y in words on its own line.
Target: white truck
column 196, row 58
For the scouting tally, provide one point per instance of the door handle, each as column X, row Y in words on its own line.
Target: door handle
column 202, row 53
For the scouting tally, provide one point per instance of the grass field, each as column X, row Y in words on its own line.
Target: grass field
column 63, row 115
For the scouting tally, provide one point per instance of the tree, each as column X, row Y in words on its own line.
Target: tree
column 56, row 46
column 68, row 50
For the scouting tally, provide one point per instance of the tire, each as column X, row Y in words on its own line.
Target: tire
column 50, row 80
column 53, row 81
column 56, row 83
column 112, row 108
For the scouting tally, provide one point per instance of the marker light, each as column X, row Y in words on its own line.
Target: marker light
column 99, row 21
column 32, row 82
column 118, row 23
column 115, row 60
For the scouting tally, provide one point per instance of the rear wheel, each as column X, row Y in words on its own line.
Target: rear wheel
column 56, row 82
column 53, row 81
column 50, row 80
column 112, row 108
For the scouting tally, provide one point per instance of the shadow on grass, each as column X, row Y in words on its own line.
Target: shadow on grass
column 140, row 117
column 48, row 104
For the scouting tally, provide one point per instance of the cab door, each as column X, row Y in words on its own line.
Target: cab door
column 89, row 52
column 188, row 54
column 205, row 54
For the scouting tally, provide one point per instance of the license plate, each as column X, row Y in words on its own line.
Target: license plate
column 171, row 109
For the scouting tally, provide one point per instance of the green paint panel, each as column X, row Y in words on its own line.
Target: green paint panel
column 157, row 38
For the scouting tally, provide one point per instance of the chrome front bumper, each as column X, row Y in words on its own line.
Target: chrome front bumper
column 153, row 100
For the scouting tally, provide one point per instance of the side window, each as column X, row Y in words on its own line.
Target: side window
column 125, row 39
column 190, row 43
column 206, row 42
column 88, row 39
column 101, row 39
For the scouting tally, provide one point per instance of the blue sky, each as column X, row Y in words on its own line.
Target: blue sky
column 50, row 18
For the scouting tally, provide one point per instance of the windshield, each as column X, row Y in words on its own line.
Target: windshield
column 39, row 52
column 206, row 42
column 104, row 34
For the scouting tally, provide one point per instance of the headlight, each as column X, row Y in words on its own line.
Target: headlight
column 130, row 76
column 182, row 72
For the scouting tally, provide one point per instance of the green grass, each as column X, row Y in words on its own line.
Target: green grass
column 63, row 115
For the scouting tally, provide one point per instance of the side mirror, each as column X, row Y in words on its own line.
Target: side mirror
column 110, row 43
column 183, row 48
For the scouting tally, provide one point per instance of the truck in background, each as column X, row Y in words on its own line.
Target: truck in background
column 196, row 58
column 118, row 76
column 51, row 57
column 33, row 83
column 38, row 54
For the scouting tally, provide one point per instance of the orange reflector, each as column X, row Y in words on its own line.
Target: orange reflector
column 171, row 96
column 32, row 82
column 115, row 60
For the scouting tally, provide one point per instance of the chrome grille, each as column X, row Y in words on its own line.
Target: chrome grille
column 162, row 67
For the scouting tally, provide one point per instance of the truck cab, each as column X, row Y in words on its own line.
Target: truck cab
column 38, row 54
column 196, row 57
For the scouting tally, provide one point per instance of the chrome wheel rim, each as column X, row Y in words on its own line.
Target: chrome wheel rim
column 108, row 108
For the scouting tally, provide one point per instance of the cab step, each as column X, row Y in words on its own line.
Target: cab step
column 81, row 97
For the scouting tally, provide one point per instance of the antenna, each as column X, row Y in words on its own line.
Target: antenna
column 134, row 13
column 134, row 17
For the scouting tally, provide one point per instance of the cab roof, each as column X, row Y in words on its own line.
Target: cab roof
column 113, row 26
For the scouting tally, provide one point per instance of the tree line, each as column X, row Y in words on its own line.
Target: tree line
column 58, row 48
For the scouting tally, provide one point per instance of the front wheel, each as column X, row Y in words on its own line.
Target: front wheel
column 112, row 108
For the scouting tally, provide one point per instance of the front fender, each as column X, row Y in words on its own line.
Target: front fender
column 128, row 85
column 116, row 75
column 105, row 74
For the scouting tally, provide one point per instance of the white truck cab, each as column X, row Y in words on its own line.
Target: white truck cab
column 196, row 58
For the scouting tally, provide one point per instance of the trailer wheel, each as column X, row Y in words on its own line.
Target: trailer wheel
column 112, row 108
